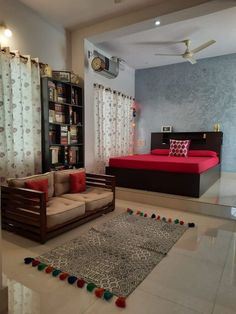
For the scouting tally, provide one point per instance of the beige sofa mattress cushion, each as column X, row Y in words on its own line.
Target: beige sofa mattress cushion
column 20, row 182
column 61, row 210
column 94, row 198
column 62, row 180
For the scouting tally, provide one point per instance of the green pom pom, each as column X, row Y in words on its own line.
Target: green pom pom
column 107, row 295
column 176, row 221
column 91, row 286
column 41, row 266
column 163, row 219
column 56, row 272
column 141, row 214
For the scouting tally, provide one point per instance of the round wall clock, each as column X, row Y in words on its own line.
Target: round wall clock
column 97, row 64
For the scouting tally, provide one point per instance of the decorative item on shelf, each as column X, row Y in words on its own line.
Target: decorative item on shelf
column 74, row 78
column 166, row 129
column 46, row 71
column 64, row 76
column 217, row 127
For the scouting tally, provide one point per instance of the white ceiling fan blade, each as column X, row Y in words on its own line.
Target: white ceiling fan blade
column 191, row 60
column 158, row 42
column 168, row 54
column 209, row 43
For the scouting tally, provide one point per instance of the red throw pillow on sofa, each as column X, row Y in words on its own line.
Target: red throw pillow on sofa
column 38, row 185
column 77, row 182
column 179, row 148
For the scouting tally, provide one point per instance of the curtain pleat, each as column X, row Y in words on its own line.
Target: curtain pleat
column 113, row 126
column 20, row 118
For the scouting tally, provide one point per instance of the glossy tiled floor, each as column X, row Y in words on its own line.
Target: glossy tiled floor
column 197, row 276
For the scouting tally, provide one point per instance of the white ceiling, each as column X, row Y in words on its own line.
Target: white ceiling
column 72, row 13
column 220, row 26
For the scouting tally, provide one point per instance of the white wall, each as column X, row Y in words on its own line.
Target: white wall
column 33, row 35
column 125, row 83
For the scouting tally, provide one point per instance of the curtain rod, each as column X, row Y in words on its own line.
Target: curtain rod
column 114, row 91
column 13, row 54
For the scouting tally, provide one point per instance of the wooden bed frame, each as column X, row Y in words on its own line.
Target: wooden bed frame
column 187, row 184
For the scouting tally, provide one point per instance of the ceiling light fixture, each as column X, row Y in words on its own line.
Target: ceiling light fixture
column 8, row 33
column 157, row 22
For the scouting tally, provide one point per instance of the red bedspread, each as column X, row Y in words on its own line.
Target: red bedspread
column 165, row 163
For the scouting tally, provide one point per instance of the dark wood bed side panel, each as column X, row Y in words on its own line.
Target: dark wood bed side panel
column 158, row 181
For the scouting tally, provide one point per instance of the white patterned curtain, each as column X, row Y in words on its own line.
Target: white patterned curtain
column 20, row 117
column 114, row 132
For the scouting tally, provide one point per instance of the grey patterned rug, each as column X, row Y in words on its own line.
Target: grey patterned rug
column 116, row 255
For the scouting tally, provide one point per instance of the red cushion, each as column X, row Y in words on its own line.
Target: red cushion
column 202, row 153
column 77, row 182
column 160, row 151
column 179, row 148
column 38, row 185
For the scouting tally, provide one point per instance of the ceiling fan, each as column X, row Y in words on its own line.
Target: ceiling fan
column 188, row 54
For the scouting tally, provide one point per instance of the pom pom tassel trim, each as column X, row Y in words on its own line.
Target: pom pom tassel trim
column 158, row 217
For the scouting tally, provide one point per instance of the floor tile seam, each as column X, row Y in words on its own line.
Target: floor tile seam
column 223, row 269
column 169, row 300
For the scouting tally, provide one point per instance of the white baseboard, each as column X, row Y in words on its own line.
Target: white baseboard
column 4, row 300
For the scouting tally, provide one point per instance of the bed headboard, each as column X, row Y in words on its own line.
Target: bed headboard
column 199, row 140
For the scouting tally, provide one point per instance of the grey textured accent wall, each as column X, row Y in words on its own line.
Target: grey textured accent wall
column 190, row 98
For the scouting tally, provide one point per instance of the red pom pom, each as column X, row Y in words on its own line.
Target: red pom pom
column 63, row 276
column 49, row 269
column 138, row 212
column 128, row 210
column 145, row 215
column 80, row 283
column 169, row 220
column 158, row 217
column 120, row 302
column 181, row 222
column 35, row 263
column 99, row 292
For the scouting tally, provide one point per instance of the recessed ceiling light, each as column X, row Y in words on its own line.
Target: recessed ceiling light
column 157, row 22
column 8, row 32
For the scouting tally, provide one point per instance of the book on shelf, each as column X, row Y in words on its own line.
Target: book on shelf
column 59, row 114
column 64, row 135
column 66, row 155
column 61, row 92
column 73, row 134
column 73, row 155
column 52, row 134
column 60, row 117
column 75, row 96
column 55, row 151
column 51, row 116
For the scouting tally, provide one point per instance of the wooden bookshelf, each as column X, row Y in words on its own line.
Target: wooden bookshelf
column 62, row 125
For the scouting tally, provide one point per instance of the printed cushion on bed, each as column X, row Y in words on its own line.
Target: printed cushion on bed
column 160, row 151
column 202, row 153
column 179, row 148
column 77, row 182
column 38, row 185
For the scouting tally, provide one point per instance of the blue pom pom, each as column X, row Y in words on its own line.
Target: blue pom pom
column 28, row 260
column 72, row 279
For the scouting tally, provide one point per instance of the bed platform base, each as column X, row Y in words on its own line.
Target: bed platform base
column 186, row 184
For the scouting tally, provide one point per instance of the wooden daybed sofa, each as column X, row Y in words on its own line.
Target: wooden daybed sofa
column 27, row 213
column 172, row 182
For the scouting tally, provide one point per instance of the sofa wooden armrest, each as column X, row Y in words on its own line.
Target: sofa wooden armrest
column 24, row 211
